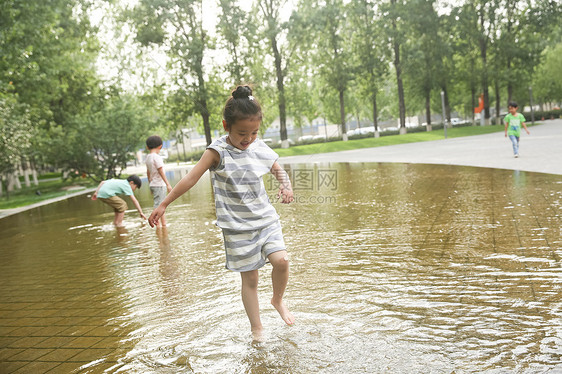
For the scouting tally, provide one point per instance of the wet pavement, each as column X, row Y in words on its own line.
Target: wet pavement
column 540, row 152
column 400, row 268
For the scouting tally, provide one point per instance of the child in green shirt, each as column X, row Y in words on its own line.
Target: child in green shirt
column 513, row 123
column 108, row 190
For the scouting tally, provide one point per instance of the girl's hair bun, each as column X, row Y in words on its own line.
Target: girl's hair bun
column 242, row 92
column 241, row 105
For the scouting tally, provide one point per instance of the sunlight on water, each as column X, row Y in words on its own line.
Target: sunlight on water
column 394, row 268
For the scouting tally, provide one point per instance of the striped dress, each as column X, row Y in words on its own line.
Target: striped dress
column 249, row 222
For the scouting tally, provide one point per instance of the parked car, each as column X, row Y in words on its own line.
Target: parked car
column 457, row 121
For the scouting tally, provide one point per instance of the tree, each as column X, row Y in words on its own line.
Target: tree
column 178, row 24
column 237, row 33
column 275, row 31
column 101, row 142
column 426, row 52
column 16, row 133
column 547, row 78
column 331, row 54
column 49, row 51
column 392, row 13
column 462, row 26
column 371, row 58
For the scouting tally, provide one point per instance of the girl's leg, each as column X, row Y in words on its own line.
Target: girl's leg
column 250, row 300
column 279, row 279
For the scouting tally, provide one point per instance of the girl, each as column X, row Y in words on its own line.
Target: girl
column 250, row 224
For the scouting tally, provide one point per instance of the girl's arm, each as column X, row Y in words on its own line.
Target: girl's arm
column 209, row 159
column 163, row 176
column 285, row 189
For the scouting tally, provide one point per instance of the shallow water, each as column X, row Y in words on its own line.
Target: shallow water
column 395, row 268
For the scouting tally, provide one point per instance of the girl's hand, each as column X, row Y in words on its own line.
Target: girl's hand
column 156, row 215
column 286, row 195
column 95, row 196
column 143, row 216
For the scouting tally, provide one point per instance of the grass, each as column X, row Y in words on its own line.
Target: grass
column 340, row 145
column 48, row 189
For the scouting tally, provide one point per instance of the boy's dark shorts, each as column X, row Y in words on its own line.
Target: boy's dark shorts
column 118, row 204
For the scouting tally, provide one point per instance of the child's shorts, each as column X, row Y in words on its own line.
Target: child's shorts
column 248, row 250
column 159, row 193
column 118, row 204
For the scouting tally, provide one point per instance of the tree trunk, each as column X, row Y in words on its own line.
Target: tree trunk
column 342, row 115
column 280, row 89
column 17, row 180
column 375, row 114
column 428, row 107
column 509, row 10
column 206, row 122
column 398, row 68
column 497, row 89
column 447, row 107
column 10, row 183
column 483, row 55
column 203, row 109
column 473, row 100
column 26, row 172
column 509, row 84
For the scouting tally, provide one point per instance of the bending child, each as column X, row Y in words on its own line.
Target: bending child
column 250, row 224
column 108, row 190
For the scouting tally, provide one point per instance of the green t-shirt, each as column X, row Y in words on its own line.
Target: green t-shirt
column 113, row 187
column 514, row 123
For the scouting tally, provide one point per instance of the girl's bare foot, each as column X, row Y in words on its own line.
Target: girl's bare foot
column 284, row 312
column 257, row 335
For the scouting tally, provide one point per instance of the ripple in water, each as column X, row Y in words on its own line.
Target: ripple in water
column 400, row 268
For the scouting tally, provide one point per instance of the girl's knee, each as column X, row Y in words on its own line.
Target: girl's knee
column 250, row 278
column 280, row 260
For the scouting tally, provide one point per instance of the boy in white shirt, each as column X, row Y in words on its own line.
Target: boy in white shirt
column 157, row 181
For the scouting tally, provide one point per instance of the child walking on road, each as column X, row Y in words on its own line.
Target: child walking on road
column 513, row 123
column 157, row 181
column 250, row 224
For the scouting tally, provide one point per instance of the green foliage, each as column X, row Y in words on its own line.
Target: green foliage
column 237, row 31
column 540, row 114
column 16, row 132
column 100, row 143
column 57, row 110
column 178, row 26
column 548, row 76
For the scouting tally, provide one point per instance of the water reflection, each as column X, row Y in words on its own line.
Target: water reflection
column 402, row 268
